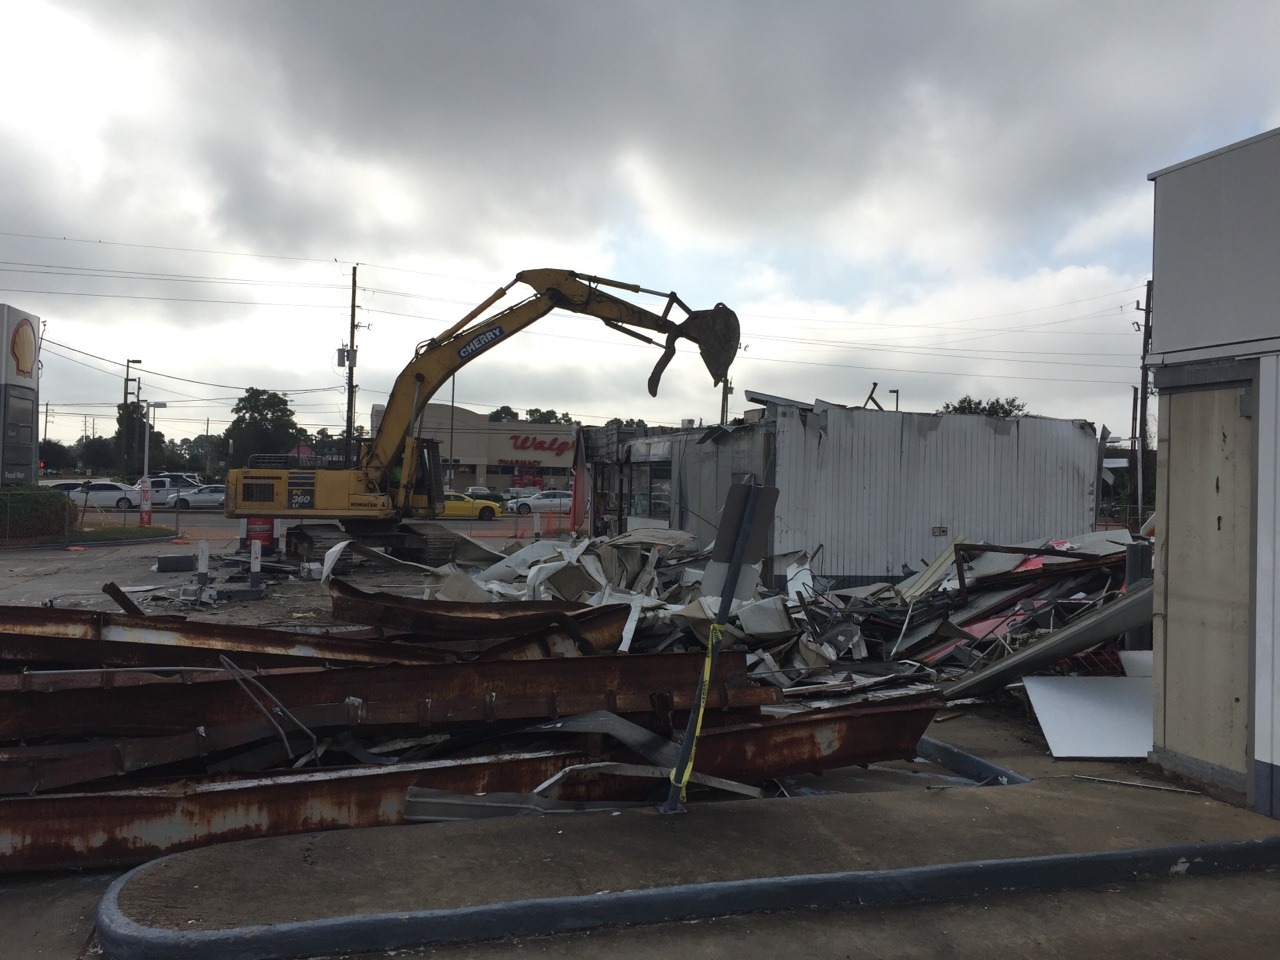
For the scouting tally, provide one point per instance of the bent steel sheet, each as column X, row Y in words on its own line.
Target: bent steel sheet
column 476, row 626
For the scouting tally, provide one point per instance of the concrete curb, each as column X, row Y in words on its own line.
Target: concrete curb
column 124, row 939
column 981, row 772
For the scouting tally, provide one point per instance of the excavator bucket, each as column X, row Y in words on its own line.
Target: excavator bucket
column 715, row 331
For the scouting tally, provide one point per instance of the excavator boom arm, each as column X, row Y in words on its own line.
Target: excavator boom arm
column 715, row 331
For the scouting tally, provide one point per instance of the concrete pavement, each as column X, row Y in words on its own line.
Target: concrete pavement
column 895, row 832
column 389, row 888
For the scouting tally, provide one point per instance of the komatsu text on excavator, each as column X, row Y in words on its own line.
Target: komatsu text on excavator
column 398, row 475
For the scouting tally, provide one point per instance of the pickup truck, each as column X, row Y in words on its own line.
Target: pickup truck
column 161, row 487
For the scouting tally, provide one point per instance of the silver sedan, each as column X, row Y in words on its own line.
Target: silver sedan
column 548, row 501
column 212, row 495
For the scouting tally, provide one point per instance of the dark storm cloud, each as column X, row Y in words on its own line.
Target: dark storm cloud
column 830, row 154
column 760, row 117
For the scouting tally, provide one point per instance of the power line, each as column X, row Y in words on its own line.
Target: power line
column 150, row 246
column 101, row 273
column 137, row 296
column 167, row 376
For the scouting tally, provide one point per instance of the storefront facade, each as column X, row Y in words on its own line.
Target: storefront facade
column 476, row 451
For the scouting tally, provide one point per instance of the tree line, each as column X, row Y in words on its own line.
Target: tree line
column 263, row 422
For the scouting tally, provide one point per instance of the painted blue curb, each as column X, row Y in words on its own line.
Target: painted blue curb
column 123, row 939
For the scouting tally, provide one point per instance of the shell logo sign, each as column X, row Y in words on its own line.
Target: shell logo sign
column 22, row 347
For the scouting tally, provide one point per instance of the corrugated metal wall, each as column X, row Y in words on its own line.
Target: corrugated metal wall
column 701, row 474
column 876, row 488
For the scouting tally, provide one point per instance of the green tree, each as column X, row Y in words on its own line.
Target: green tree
column 264, row 423
column 628, row 424
column 194, row 454
column 995, row 407
column 536, row 415
column 96, row 454
column 328, row 448
column 130, row 427
column 56, row 456
column 503, row 414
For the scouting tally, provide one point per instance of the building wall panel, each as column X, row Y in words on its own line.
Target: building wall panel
column 1202, row 633
column 876, row 488
column 1217, row 229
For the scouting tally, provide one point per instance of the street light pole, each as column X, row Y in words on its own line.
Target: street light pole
column 144, row 512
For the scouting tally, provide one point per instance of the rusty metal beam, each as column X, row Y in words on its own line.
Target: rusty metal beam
column 40, row 635
column 451, row 693
column 109, row 678
column 124, row 827
column 33, row 769
column 120, row 827
column 862, row 733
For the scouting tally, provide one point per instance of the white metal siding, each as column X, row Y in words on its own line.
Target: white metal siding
column 1217, row 229
column 870, row 486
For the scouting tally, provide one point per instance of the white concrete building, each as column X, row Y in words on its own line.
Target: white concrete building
column 1215, row 355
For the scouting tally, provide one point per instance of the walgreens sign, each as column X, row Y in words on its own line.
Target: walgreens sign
column 556, row 446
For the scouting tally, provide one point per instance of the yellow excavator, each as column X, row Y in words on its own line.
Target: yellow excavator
column 398, row 475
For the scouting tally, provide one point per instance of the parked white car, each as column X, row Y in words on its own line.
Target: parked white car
column 548, row 501
column 210, row 495
column 68, row 486
column 105, row 493
column 515, row 493
column 162, row 485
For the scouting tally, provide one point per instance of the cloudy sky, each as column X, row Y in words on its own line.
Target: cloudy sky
column 946, row 198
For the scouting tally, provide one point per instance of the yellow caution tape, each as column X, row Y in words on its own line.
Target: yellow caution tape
column 681, row 777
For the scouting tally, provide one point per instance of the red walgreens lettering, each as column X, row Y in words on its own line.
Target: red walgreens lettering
column 554, row 447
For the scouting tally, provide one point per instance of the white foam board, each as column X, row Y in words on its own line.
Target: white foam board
column 1103, row 717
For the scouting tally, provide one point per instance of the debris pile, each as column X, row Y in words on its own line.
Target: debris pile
column 549, row 673
column 976, row 618
column 124, row 736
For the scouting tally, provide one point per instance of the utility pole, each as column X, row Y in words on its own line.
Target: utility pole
column 725, row 390
column 1142, row 398
column 125, row 435
column 351, row 375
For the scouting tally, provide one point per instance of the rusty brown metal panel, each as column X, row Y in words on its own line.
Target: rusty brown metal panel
column 817, row 739
column 77, row 636
column 436, row 694
column 109, row 678
column 53, row 831
column 124, row 827
column 33, row 769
